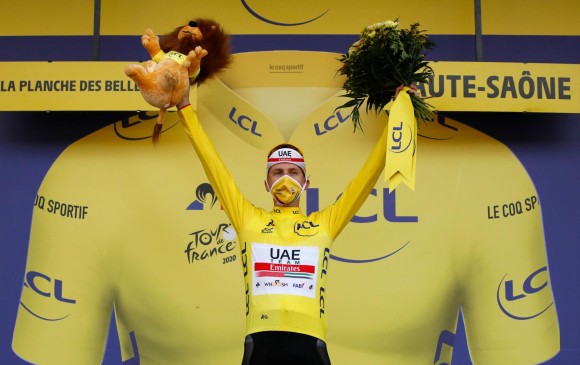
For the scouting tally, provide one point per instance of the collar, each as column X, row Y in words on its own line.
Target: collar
column 287, row 211
column 271, row 69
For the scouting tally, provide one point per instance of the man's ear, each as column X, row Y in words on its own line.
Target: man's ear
column 266, row 186
column 307, row 184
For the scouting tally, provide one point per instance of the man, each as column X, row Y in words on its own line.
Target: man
column 285, row 254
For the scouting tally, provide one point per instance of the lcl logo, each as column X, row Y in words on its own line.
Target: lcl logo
column 47, row 287
column 244, row 122
column 516, row 292
column 330, row 123
column 293, row 11
column 401, row 138
column 389, row 205
column 51, row 288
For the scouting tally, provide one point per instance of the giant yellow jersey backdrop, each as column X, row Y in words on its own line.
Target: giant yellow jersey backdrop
column 119, row 223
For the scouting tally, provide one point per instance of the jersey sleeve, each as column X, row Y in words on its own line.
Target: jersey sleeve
column 230, row 196
column 508, row 305
column 359, row 188
column 67, row 296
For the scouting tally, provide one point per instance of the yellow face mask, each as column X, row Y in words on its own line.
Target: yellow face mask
column 286, row 190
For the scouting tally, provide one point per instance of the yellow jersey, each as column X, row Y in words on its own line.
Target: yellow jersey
column 284, row 254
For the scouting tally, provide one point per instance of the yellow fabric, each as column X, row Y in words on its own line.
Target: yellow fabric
column 401, row 153
column 119, row 222
column 176, row 56
column 285, row 254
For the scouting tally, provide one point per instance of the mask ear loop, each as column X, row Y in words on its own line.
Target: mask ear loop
column 305, row 182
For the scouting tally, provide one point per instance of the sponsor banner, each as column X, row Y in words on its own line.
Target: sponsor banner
column 52, row 86
column 456, row 86
column 504, row 87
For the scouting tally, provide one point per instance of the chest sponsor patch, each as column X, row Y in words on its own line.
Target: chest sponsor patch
column 290, row 270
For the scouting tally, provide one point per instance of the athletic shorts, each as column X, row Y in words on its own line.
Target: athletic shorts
column 284, row 348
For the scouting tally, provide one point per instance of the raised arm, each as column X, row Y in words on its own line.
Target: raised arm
column 358, row 189
column 218, row 175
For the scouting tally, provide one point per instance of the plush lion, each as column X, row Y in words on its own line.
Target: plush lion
column 177, row 63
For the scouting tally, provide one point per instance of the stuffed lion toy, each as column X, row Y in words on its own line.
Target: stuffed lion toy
column 176, row 63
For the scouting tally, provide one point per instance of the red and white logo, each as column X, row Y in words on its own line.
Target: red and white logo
column 288, row 270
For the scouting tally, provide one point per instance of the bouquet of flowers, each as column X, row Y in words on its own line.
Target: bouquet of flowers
column 384, row 58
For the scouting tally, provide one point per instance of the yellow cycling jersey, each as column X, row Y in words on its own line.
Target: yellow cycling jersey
column 176, row 56
column 285, row 254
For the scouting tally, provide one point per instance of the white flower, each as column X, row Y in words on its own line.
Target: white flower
column 383, row 25
column 355, row 47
